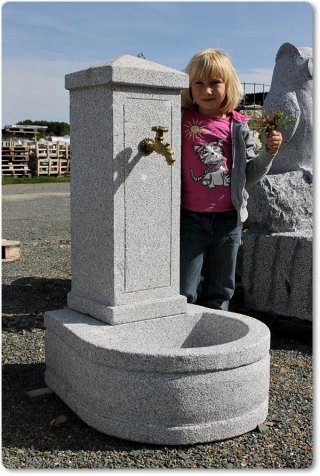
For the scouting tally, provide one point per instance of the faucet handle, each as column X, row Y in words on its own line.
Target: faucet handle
column 160, row 130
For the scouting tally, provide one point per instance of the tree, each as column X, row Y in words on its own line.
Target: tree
column 54, row 128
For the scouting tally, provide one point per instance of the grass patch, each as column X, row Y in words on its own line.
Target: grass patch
column 7, row 180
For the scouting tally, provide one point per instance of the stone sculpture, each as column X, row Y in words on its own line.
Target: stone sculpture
column 291, row 93
column 277, row 246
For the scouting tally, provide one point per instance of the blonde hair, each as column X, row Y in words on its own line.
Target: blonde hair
column 213, row 63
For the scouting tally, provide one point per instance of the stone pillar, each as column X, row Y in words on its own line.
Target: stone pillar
column 124, row 206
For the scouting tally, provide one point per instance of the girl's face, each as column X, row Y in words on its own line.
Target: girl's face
column 209, row 94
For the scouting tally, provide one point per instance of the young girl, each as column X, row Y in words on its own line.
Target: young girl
column 218, row 166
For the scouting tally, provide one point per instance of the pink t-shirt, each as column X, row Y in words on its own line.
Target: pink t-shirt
column 206, row 163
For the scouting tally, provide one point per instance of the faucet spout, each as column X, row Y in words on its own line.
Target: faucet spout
column 147, row 146
column 165, row 150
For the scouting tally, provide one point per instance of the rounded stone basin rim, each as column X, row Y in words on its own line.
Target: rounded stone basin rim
column 94, row 335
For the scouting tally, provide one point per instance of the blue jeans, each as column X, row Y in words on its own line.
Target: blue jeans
column 209, row 245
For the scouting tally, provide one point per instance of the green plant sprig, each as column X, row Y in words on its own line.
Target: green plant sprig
column 272, row 121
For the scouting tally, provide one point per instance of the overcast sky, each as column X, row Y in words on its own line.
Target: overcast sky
column 43, row 41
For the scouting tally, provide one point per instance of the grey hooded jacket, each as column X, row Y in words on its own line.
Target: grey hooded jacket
column 247, row 167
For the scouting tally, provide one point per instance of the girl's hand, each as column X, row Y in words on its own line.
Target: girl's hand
column 273, row 141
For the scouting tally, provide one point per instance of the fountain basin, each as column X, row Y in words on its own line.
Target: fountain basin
column 189, row 378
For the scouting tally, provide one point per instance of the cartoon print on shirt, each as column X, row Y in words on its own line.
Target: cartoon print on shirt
column 211, row 156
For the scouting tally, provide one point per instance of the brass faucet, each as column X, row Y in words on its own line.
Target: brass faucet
column 147, row 146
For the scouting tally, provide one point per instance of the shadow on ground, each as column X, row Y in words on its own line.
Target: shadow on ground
column 25, row 300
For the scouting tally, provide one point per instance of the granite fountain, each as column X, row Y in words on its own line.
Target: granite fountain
column 128, row 355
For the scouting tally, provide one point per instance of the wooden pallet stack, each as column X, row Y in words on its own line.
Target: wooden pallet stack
column 15, row 160
column 10, row 250
column 50, row 159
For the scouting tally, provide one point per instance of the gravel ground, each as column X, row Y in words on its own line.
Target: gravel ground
column 39, row 217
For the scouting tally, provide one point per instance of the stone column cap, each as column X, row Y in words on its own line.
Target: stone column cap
column 128, row 70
